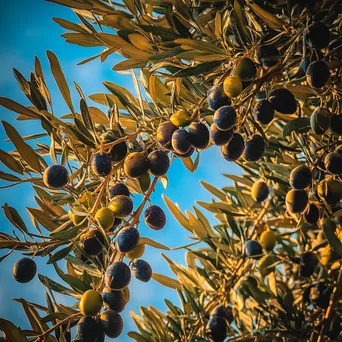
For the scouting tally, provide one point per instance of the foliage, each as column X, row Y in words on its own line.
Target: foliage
column 182, row 49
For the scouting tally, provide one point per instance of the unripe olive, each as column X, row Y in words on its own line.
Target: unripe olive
column 259, row 191
column 105, row 217
column 181, row 118
column 137, row 252
column 245, row 70
column 145, row 181
column 90, row 303
column 121, row 206
column 232, row 86
column 268, row 240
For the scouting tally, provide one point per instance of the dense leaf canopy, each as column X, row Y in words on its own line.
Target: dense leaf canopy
column 265, row 76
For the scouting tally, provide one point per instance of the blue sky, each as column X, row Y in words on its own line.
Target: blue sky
column 27, row 31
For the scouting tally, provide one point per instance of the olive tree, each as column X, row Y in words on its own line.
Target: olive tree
column 261, row 80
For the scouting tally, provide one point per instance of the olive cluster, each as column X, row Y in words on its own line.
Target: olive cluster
column 112, row 218
column 227, row 127
column 219, row 320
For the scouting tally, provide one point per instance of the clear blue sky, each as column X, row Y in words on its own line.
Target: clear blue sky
column 27, row 31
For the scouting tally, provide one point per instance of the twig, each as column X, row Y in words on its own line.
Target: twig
column 43, row 336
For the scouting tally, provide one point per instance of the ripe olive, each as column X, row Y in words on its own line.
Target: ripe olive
column 24, row 270
column 101, row 164
column 217, row 98
column 317, row 74
column 296, row 201
column 141, row 270
column 225, row 118
column 117, row 276
column 283, row 101
column 155, row 217
column 234, row 148
column 254, row 149
column 264, row 112
column 300, row 177
column 198, row 135
column 56, row 177
column 158, row 163
column 135, row 164
column 219, row 137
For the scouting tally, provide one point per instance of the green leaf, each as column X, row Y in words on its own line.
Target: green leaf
column 60, row 79
column 11, row 332
column 77, row 284
column 11, row 162
column 54, row 286
column 14, row 217
column 177, row 213
column 167, row 281
column 299, row 125
column 86, row 115
column 139, row 338
column 268, row 18
column 83, row 266
column 198, row 69
column 65, row 234
column 329, row 228
column 62, row 253
column 9, row 177
column 18, row 108
column 216, row 192
column 147, row 241
column 26, row 152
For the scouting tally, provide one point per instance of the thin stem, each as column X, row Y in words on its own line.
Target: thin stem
column 43, row 336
